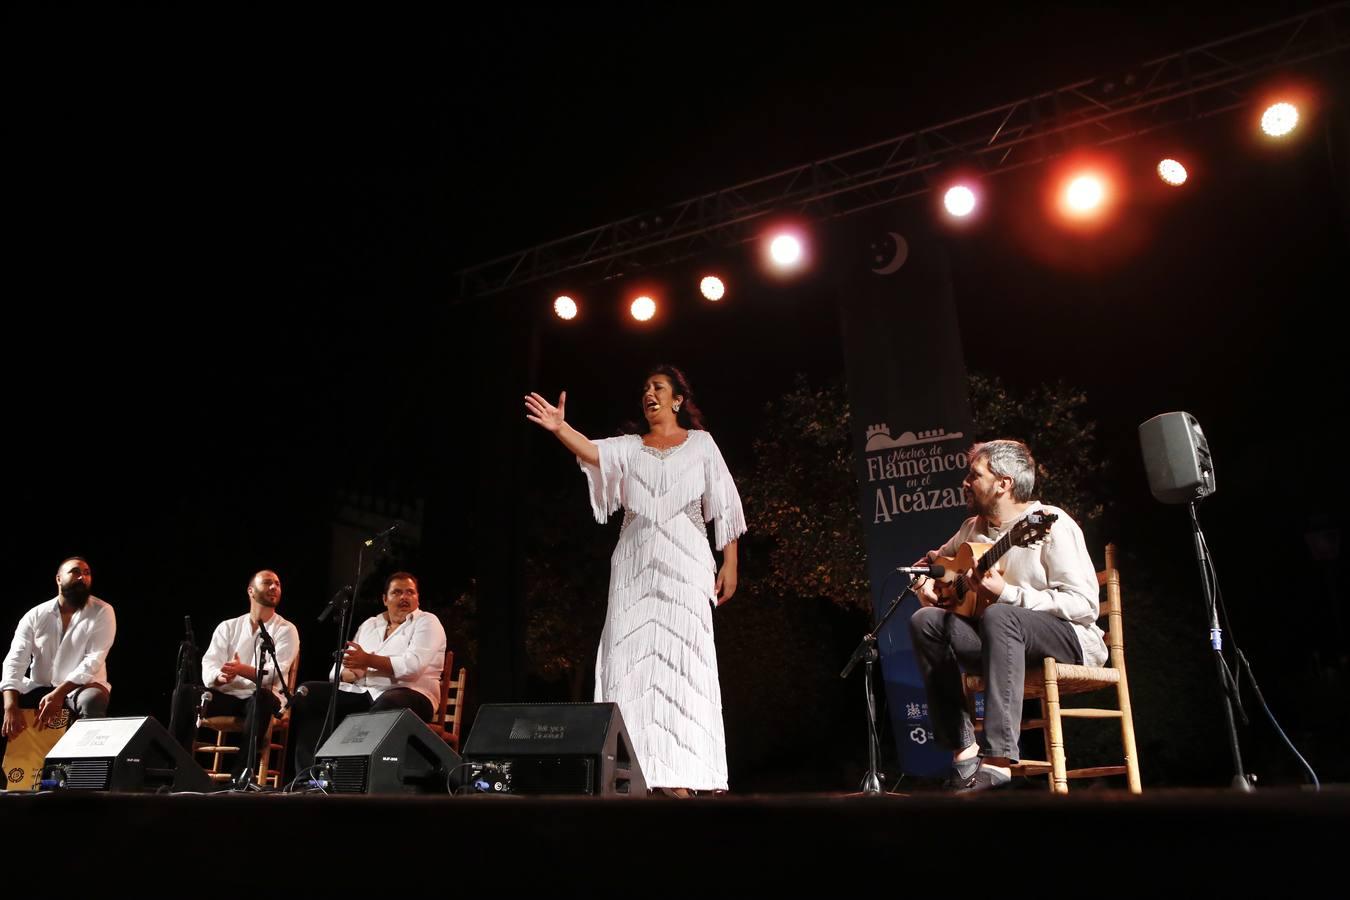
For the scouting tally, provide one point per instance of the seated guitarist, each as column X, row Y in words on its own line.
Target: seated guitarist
column 1043, row 602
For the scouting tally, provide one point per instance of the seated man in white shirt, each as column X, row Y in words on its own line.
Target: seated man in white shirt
column 1044, row 603
column 394, row 663
column 58, row 657
column 230, row 665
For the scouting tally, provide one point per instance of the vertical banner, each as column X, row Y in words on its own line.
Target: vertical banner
column 911, row 421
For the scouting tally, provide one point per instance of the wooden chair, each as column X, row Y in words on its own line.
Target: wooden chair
column 450, row 712
column 272, row 758
column 1054, row 680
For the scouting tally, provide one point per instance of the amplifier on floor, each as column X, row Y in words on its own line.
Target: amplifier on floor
column 391, row 752
column 132, row 753
column 552, row 748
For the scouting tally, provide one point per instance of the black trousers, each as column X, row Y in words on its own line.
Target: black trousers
column 262, row 711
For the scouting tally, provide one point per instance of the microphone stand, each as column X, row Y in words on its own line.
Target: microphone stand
column 1241, row 782
column 269, row 647
column 241, row 781
column 245, row 776
column 342, row 602
column 187, row 656
column 867, row 654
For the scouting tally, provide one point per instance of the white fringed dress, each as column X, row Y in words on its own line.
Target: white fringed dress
column 657, row 659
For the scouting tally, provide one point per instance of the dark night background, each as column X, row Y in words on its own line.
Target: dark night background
column 232, row 339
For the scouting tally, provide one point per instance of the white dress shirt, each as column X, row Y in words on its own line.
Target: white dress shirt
column 79, row 655
column 238, row 636
column 416, row 651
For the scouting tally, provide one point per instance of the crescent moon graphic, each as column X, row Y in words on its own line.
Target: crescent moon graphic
column 901, row 254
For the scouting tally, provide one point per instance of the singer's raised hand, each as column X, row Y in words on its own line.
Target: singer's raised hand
column 545, row 414
column 553, row 418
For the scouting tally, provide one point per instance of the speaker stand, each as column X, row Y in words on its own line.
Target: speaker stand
column 1232, row 707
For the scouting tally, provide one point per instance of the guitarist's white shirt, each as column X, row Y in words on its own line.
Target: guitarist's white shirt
column 1056, row 576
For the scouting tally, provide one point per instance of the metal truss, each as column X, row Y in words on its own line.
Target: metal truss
column 1196, row 83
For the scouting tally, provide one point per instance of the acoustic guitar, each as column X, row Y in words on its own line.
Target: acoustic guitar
column 956, row 591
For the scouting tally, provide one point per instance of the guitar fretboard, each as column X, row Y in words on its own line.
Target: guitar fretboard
column 1001, row 546
column 1016, row 536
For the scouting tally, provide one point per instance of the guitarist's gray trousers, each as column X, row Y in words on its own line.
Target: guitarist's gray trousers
column 998, row 645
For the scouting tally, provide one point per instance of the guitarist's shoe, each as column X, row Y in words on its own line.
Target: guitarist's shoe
column 962, row 774
column 986, row 778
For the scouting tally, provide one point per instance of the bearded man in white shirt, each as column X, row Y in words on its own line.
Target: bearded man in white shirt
column 58, row 657
column 230, row 665
column 1043, row 603
column 395, row 662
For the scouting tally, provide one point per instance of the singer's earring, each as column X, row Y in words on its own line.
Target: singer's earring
column 676, row 407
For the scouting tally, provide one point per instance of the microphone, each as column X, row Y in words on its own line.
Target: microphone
column 383, row 534
column 340, row 600
column 930, row 571
column 301, row 691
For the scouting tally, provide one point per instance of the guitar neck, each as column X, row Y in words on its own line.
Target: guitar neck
column 994, row 553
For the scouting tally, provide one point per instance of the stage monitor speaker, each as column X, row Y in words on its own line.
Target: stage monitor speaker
column 1176, row 457
column 391, row 752
column 553, row 748
column 132, row 753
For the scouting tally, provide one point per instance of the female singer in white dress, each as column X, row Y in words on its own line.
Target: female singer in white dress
column 656, row 658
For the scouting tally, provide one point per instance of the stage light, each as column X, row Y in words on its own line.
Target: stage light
column 785, row 251
column 1279, row 119
column 1084, row 195
column 1172, row 172
column 565, row 307
column 712, row 287
column 1083, row 191
column 643, row 308
column 959, row 200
